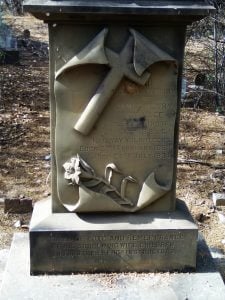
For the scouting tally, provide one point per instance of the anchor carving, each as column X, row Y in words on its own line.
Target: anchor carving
column 133, row 61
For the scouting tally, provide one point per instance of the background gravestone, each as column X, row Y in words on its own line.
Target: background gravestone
column 9, row 53
column 115, row 80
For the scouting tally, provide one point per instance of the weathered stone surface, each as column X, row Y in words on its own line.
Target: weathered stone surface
column 115, row 138
column 17, row 205
column 205, row 283
column 135, row 130
column 115, row 81
column 173, row 11
column 115, row 242
column 218, row 199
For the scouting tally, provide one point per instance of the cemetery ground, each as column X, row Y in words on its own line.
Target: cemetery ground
column 25, row 146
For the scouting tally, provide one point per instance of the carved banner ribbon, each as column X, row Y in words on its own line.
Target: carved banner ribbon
column 98, row 194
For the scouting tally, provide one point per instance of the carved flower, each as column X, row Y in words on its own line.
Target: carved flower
column 77, row 170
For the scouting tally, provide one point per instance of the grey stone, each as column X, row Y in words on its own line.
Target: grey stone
column 114, row 141
column 173, row 10
column 2, row 201
column 48, row 157
column 218, row 199
column 3, row 259
column 221, row 217
column 127, row 114
column 18, row 206
column 124, row 140
column 73, row 243
column 217, row 253
column 115, row 82
column 205, row 283
column 9, row 53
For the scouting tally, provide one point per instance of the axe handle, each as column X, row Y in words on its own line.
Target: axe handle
column 98, row 102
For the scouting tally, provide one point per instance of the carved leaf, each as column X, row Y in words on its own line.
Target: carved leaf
column 85, row 165
column 108, row 174
column 85, row 175
column 92, row 183
column 106, row 189
column 125, row 202
column 131, row 179
column 76, row 177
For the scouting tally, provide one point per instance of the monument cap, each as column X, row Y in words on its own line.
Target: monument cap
column 175, row 10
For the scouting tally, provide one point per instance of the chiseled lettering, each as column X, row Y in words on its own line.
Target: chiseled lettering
column 116, row 245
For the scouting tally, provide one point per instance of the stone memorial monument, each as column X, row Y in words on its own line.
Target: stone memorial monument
column 115, row 81
column 9, row 53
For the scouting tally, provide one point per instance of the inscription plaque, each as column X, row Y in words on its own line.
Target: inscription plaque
column 119, row 242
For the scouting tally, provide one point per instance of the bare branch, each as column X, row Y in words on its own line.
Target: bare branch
column 200, row 162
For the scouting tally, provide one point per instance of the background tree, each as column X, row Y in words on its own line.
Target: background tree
column 211, row 31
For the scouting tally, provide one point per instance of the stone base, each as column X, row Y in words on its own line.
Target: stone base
column 205, row 283
column 218, row 199
column 140, row 242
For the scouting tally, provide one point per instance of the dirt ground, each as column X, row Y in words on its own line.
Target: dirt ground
column 24, row 140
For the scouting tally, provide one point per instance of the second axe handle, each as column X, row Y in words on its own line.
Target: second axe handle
column 98, row 102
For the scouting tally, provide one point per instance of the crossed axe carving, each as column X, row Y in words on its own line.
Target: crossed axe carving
column 132, row 62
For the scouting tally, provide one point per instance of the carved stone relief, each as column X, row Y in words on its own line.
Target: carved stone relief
column 136, row 56
column 99, row 192
column 123, row 103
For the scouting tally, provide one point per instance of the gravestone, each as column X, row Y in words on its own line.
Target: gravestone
column 9, row 53
column 115, row 84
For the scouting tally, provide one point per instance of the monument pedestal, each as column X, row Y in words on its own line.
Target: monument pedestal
column 205, row 283
column 115, row 84
column 141, row 242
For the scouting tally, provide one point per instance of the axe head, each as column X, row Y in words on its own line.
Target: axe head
column 146, row 53
column 93, row 53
